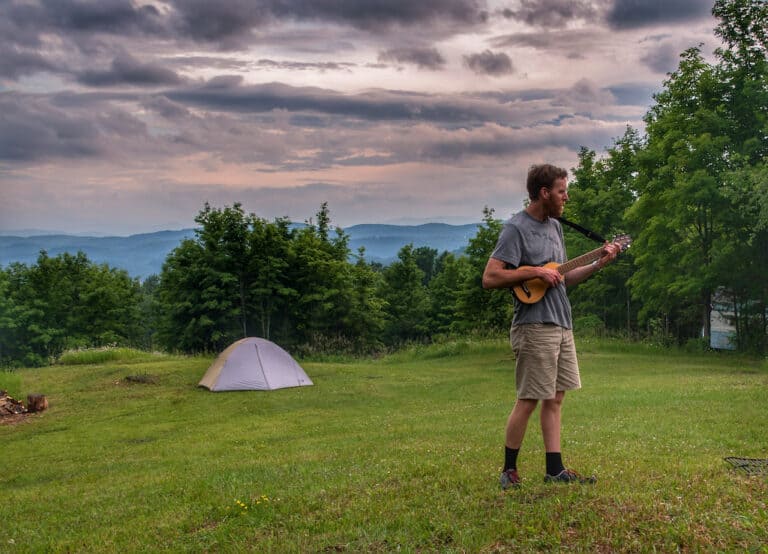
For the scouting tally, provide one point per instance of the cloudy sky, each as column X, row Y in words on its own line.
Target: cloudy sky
column 121, row 117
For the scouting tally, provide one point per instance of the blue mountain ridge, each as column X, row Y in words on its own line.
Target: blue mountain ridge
column 143, row 254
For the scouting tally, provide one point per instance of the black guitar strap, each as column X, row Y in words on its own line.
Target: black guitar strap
column 586, row 232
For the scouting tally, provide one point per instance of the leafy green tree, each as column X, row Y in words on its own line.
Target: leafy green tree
column 405, row 298
column 445, row 290
column 477, row 308
column 108, row 308
column 269, row 289
column 681, row 209
column 204, row 284
column 426, row 258
column 743, row 27
column 149, row 312
column 364, row 322
column 243, row 275
column 67, row 302
column 187, row 297
column 601, row 193
column 706, row 140
column 224, row 237
column 745, row 289
column 8, row 320
column 321, row 274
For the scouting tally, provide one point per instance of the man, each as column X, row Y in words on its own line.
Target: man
column 541, row 334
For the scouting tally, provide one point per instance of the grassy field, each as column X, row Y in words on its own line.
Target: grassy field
column 401, row 454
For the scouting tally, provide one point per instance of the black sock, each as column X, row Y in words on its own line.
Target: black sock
column 554, row 463
column 510, row 458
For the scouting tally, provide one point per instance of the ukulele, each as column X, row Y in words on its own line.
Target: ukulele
column 533, row 290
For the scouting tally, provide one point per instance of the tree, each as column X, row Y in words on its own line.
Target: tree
column 66, row 302
column 699, row 180
column 405, row 297
column 8, row 320
column 149, row 312
column 445, row 290
column 321, row 274
column 426, row 258
column 224, row 237
column 197, row 315
column 225, row 282
column 364, row 322
column 743, row 26
column 477, row 308
column 681, row 209
column 269, row 290
column 602, row 192
column 746, row 289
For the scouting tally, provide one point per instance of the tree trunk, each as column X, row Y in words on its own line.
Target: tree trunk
column 37, row 402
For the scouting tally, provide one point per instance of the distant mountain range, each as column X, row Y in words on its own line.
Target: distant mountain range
column 143, row 255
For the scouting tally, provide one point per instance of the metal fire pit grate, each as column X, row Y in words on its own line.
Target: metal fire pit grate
column 750, row 466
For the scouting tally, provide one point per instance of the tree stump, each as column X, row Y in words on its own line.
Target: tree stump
column 37, row 402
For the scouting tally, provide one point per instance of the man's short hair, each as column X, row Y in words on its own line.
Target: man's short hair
column 543, row 175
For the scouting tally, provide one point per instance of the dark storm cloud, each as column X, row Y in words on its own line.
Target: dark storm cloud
column 489, row 63
column 31, row 129
column 71, row 126
column 492, row 141
column 231, row 24
column 551, row 13
column 228, row 24
column 99, row 28
column 195, row 62
column 566, row 42
column 662, row 58
column 103, row 16
column 106, row 16
column 583, row 92
column 165, row 108
column 424, row 58
column 377, row 14
column 15, row 62
column 305, row 66
column 225, row 94
column 633, row 94
column 628, row 14
column 127, row 70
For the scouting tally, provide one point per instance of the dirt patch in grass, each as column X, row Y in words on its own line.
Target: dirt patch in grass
column 142, row 379
column 13, row 419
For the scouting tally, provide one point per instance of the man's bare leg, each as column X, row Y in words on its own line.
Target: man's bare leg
column 550, row 421
column 517, row 422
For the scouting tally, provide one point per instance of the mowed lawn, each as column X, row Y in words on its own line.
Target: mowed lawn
column 401, row 453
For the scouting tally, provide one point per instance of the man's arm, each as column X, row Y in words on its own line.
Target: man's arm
column 497, row 276
column 576, row 276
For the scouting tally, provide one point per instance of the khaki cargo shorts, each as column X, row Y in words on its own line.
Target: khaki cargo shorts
column 545, row 360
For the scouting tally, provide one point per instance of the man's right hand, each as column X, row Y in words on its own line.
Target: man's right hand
column 550, row 276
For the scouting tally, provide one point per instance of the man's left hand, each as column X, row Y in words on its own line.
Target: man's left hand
column 610, row 251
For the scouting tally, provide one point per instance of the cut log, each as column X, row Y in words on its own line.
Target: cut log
column 37, row 402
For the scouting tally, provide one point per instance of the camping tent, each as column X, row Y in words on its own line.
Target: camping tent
column 254, row 364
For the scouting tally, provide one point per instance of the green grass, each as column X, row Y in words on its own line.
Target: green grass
column 106, row 354
column 400, row 453
column 10, row 382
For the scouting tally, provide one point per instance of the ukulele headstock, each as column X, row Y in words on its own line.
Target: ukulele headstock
column 624, row 241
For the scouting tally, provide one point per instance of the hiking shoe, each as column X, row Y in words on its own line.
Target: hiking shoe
column 509, row 478
column 569, row 476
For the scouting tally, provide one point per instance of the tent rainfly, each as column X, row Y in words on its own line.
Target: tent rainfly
column 254, row 364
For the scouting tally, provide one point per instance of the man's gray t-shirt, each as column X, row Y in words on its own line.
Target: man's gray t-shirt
column 524, row 240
